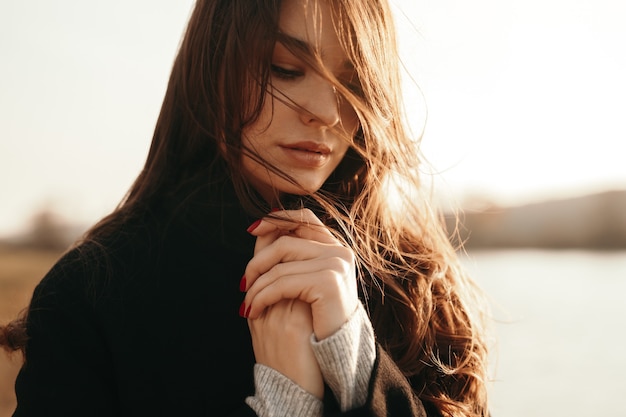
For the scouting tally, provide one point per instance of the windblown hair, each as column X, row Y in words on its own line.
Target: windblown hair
column 426, row 312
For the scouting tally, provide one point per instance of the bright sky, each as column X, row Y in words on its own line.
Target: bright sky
column 526, row 99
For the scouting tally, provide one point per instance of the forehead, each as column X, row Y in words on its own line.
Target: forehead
column 310, row 21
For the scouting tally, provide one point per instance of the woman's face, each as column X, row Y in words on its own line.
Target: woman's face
column 306, row 140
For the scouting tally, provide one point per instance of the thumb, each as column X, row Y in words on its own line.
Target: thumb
column 266, row 239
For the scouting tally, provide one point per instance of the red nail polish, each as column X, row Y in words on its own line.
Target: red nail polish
column 248, row 311
column 242, row 310
column 254, row 226
column 242, row 284
column 275, row 209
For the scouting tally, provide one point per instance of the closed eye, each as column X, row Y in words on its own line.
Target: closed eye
column 355, row 88
column 286, row 74
column 354, row 85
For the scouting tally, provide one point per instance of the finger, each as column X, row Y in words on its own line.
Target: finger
column 332, row 301
column 280, row 223
column 292, row 287
column 300, row 223
column 287, row 249
column 284, row 270
column 263, row 241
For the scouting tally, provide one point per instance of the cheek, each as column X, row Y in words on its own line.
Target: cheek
column 248, row 167
column 248, row 141
column 350, row 120
column 341, row 151
column 252, row 135
column 255, row 173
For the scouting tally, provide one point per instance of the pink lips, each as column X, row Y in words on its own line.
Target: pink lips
column 311, row 154
column 309, row 147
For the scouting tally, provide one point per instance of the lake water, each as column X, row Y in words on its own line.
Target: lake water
column 560, row 329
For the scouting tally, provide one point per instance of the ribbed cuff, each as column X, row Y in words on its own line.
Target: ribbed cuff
column 278, row 396
column 347, row 358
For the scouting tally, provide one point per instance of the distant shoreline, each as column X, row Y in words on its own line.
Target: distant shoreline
column 594, row 222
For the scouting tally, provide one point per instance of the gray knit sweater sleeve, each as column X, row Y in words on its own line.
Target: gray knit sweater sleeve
column 278, row 396
column 346, row 359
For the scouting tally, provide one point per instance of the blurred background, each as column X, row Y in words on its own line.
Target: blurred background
column 521, row 108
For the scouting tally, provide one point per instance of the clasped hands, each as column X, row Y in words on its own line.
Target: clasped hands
column 300, row 281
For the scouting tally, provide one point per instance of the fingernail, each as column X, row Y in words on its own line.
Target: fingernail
column 275, row 209
column 254, row 226
column 242, row 284
column 242, row 310
column 248, row 311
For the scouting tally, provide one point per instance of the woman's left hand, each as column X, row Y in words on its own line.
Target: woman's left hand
column 298, row 258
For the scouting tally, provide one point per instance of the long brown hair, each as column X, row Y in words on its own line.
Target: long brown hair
column 426, row 311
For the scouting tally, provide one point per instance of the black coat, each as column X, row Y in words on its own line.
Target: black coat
column 146, row 323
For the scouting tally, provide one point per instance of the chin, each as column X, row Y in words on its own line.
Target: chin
column 307, row 189
column 306, row 186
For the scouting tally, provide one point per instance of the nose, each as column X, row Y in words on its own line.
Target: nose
column 321, row 106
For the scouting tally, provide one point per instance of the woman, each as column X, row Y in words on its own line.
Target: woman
column 278, row 143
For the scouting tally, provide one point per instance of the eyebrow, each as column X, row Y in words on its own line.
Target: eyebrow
column 290, row 41
column 305, row 47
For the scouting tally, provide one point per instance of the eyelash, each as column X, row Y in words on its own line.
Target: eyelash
column 355, row 88
column 286, row 74
column 291, row 75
